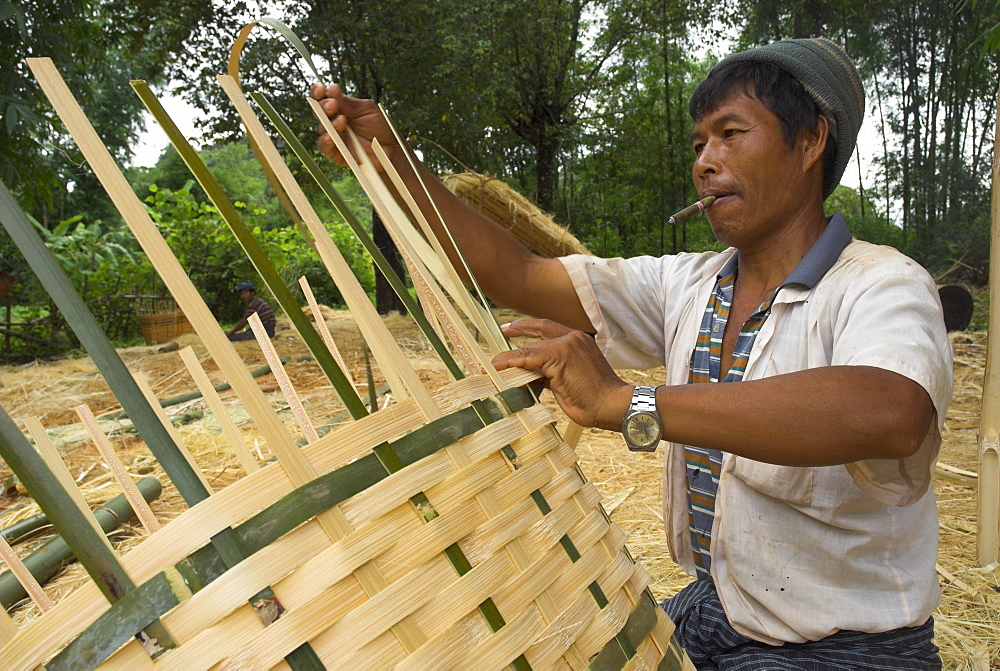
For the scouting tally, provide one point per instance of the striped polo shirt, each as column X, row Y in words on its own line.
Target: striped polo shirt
column 263, row 310
column 704, row 466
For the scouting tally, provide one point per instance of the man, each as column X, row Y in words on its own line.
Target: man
column 248, row 294
column 797, row 492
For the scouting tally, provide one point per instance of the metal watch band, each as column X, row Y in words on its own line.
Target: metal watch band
column 643, row 399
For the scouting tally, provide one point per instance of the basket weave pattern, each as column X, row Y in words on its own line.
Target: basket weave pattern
column 504, row 493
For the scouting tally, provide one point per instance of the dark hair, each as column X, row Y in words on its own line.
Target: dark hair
column 778, row 90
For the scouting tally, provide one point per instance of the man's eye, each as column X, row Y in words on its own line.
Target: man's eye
column 730, row 132
column 698, row 147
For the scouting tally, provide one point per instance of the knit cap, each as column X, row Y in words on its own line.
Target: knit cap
column 828, row 75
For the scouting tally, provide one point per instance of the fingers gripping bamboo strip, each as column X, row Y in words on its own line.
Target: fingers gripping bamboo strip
column 154, row 403
column 322, row 327
column 218, row 408
column 107, row 450
column 287, row 389
column 24, row 576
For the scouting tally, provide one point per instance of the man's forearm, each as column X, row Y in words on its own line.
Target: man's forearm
column 817, row 417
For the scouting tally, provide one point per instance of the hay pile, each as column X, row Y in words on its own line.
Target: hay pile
column 494, row 199
column 968, row 620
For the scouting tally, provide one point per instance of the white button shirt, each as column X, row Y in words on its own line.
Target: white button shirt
column 798, row 553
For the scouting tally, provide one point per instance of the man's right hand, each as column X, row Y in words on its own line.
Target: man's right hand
column 363, row 116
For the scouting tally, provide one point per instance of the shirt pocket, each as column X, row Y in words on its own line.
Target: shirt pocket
column 791, row 484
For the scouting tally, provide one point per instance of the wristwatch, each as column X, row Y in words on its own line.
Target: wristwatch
column 641, row 427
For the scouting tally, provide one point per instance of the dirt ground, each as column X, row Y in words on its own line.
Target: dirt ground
column 968, row 621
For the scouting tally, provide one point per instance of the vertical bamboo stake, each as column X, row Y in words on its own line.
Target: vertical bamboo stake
column 218, row 408
column 281, row 375
column 107, row 450
column 988, row 536
column 24, row 576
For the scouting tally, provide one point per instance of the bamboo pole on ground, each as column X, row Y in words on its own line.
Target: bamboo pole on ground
column 988, row 536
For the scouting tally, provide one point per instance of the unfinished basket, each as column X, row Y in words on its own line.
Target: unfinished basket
column 534, row 228
column 160, row 320
column 452, row 529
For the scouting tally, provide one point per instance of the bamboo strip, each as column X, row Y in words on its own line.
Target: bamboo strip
column 322, row 328
column 294, row 402
column 8, row 630
column 243, row 455
column 492, row 329
column 50, row 455
column 255, row 253
column 398, row 371
column 24, row 576
column 147, row 391
column 107, row 450
column 380, row 261
column 988, row 493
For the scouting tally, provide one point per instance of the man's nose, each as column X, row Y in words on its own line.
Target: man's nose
column 708, row 160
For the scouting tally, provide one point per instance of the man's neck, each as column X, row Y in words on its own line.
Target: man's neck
column 763, row 267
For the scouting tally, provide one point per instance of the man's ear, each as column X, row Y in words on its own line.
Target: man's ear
column 814, row 143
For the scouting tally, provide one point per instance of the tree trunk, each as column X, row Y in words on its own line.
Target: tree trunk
column 386, row 300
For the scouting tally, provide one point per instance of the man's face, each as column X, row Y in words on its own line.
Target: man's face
column 742, row 158
column 246, row 295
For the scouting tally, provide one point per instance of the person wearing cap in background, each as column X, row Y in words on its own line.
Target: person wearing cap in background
column 248, row 294
column 798, row 491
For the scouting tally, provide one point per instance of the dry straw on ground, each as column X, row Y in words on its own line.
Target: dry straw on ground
column 968, row 620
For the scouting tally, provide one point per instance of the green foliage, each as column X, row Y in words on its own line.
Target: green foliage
column 214, row 261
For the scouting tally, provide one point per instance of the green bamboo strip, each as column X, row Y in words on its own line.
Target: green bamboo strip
column 285, row 131
column 620, row 649
column 48, row 559
column 132, row 613
column 343, row 386
column 90, row 548
column 23, row 528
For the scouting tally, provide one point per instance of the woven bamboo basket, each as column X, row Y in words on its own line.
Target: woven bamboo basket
column 473, row 542
column 160, row 320
column 526, row 221
column 451, row 529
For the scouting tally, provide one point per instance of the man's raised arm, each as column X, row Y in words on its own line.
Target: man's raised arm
column 507, row 272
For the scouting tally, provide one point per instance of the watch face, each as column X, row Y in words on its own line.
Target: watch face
column 643, row 429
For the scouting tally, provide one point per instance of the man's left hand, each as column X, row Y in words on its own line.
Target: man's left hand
column 580, row 378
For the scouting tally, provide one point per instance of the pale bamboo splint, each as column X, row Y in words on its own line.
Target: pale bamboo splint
column 24, row 576
column 118, row 470
column 988, row 492
column 285, row 384
column 324, row 331
column 218, row 408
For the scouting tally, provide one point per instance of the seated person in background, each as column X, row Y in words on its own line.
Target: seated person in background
column 248, row 294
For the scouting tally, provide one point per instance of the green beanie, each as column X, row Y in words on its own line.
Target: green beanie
column 828, row 75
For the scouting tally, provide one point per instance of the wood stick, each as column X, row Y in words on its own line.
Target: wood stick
column 24, row 576
column 50, row 455
column 988, row 519
column 281, row 375
column 8, row 629
column 107, row 450
column 243, row 455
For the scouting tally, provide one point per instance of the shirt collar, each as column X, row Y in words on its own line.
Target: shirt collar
column 817, row 261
